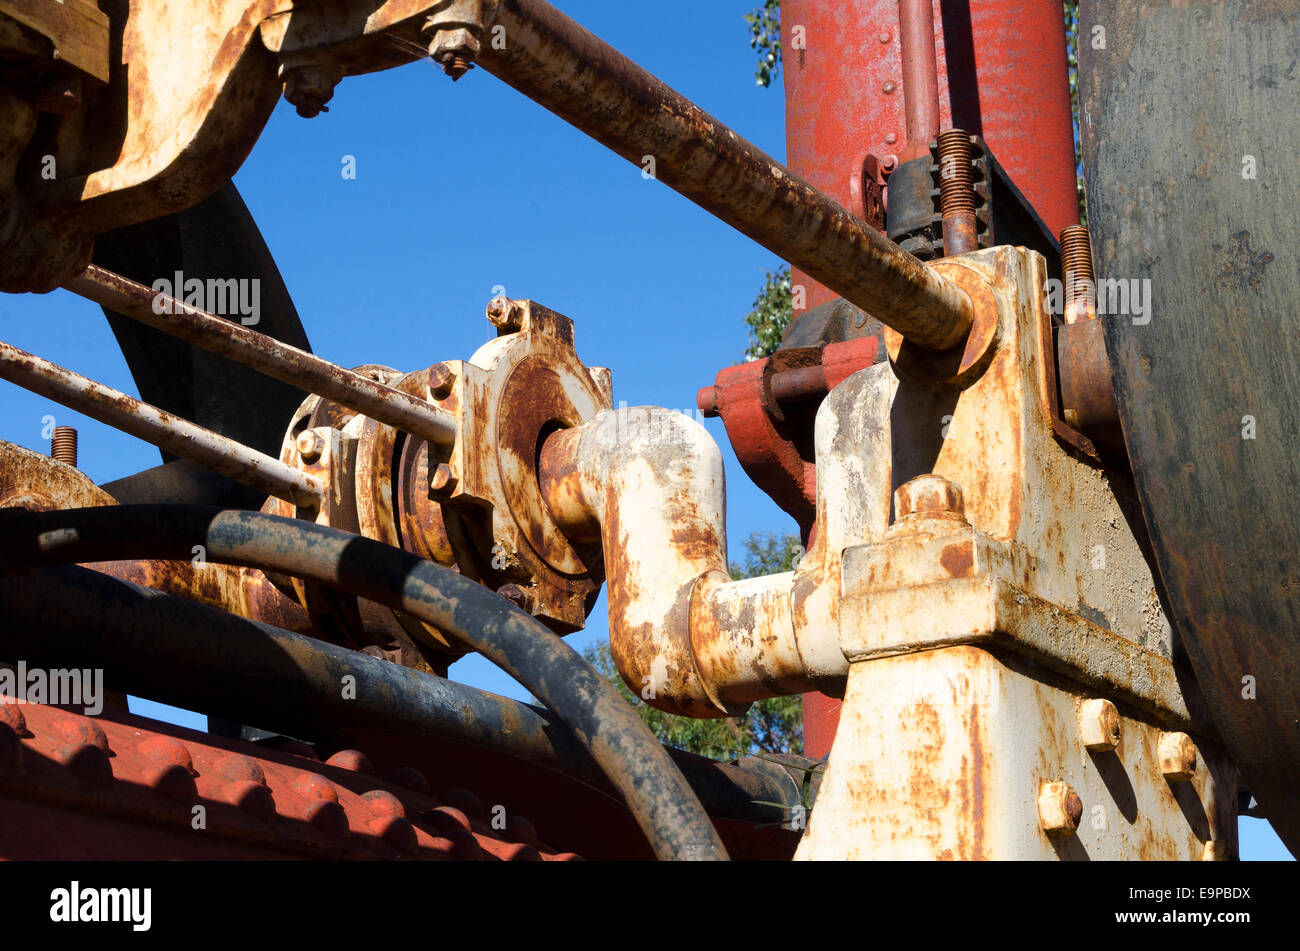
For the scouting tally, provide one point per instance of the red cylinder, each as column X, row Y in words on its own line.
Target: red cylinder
column 1002, row 74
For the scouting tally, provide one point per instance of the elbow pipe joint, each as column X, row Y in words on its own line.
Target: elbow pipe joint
column 648, row 483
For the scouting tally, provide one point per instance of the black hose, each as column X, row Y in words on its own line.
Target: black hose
column 668, row 812
column 275, row 679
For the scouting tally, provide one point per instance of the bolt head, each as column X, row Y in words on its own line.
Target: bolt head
column 309, row 87
column 449, row 46
column 1099, row 725
column 929, row 496
column 441, row 380
column 506, row 315
column 1059, row 808
column 1177, row 752
column 310, row 445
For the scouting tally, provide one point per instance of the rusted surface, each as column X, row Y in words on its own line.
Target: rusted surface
column 957, row 192
column 153, row 425
column 586, row 82
column 77, row 30
column 1014, row 93
column 1207, row 400
column 599, row 718
column 768, row 407
column 970, row 357
column 1087, row 387
column 964, row 754
column 920, row 71
column 265, row 354
column 72, row 800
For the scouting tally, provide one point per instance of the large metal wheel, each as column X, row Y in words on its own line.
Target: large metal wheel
column 1190, row 132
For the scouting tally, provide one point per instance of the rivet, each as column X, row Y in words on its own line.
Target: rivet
column 86, row 760
column 239, row 768
column 891, row 138
column 886, row 36
column 172, row 780
column 380, row 802
column 465, row 801
column 311, row 786
column 890, row 87
column 412, row 779
column 519, row 852
column 397, row 832
column 448, row 819
column 12, row 716
column 166, row 751
column 352, row 760
column 521, row 830
column 77, row 729
column 326, row 815
column 250, row 797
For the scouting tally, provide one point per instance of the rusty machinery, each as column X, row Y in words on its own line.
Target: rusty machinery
column 980, row 587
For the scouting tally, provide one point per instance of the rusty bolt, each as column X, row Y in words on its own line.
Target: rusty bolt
column 929, row 496
column 310, row 445
column 453, row 49
column 1099, row 725
column 1059, row 808
column 506, row 315
column 441, row 380
column 957, row 192
column 443, row 479
column 888, row 163
column 309, row 87
column 63, row 445
column 1177, row 754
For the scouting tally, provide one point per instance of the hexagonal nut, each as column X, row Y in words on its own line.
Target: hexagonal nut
column 1059, row 808
column 310, row 444
column 1177, row 752
column 506, row 315
column 929, row 496
column 454, row 42
column 1099, row 725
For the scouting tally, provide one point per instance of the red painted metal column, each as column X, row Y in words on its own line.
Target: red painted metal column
column 1002, row 74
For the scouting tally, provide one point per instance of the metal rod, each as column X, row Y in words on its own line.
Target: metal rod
column 557, row 63
column 669, row 813
column 920, row 75
column 256, row 673
column 266, row 354
column 176, row 435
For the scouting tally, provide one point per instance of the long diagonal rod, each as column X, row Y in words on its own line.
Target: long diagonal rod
column 555, row 62
column 176, row 435
column 266, row 355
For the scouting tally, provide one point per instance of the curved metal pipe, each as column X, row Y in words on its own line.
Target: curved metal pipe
column 648, row 482
column 661, row 800
column 279, row 680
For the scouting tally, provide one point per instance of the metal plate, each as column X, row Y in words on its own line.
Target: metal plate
column 1190, row 130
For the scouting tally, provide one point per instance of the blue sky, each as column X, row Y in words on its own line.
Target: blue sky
column 463, row 187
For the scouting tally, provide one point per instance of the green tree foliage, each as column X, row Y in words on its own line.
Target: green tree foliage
column 765, row 38
column 769, row 726
column 773, row 309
